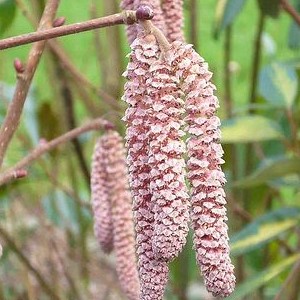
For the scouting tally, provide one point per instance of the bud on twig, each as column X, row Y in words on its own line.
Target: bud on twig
column 18, row 65
column 59, row 22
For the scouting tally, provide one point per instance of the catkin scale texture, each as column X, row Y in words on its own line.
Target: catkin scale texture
column 173, row 15
column 120, row 197
column 208, row 212
column 167, row 174
column 153, row 274
column 103, row 227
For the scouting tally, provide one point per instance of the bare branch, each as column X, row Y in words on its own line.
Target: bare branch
column 291, row 11
column 45, row 146
column 125, row 17
column 13, row 115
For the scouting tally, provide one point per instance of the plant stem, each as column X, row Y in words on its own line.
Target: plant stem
column 290, row 10
column 44, row 147
column 116, row 19
column 227, row 73
column 256, row 59
column 194, row 24
column 15, row 108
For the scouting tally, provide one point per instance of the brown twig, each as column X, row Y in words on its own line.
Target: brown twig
column 194, row 23
column 12, row 245
column 77, row 76
column 290, row 10
column 13, row 115
column 289, row 290
column 44, row 147
column 125, row 17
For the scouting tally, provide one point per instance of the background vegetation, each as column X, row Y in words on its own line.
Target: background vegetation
column 253, row 48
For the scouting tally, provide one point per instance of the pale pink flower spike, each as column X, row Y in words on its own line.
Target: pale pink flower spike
column 173, row 15
column 167, row 175
column 208, row 212
column 121, row 203
column 103, row 227
column 153, row 273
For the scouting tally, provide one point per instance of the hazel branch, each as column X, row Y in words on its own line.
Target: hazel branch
column 125, row 17
column 11, row 121
column 45, row 146
column 290, row 10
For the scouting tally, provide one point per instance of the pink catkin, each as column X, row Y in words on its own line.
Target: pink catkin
column 153, row 273
column 208, row 213
column 103, row 227
column 158, row 19
column 120, row 197
column 131, row 30
column 173, row 15
column 168, row 188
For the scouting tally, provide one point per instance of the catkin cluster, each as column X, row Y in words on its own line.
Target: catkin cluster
column 168, row 89
column 111, row 201
column 168, row 17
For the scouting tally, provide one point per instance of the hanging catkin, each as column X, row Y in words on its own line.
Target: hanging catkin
column 208, row 212
column 103, row 227
column 153, row 273
column 167, row 174
column 120, row 198
column 173, row 16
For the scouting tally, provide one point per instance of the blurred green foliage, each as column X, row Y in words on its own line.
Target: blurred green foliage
column 253, row 48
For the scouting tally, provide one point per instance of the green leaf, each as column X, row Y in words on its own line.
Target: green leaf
column 226, row 12
column 264, row 229
column 270, row 8
column 278, row 84
column 262, row 278
column 250, row 129
column 7, row 14
column 294, row 31
column 270, row 169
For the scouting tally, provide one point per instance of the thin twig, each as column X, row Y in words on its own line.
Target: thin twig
column 77, row 76
column 15, row 109
column 194, row 23
column 293, row 278
column 290, row 10
column 68, row 103
column 12, row 245
column 44, row 147
column 125, row 17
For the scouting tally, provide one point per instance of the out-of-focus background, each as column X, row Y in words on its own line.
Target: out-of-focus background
column 46, row 226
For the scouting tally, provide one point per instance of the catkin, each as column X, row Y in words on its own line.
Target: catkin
column 103, row 227
column 208, row 213
column 153, row 273
column 120, row 197
column 173, row 15
column 167, row 174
